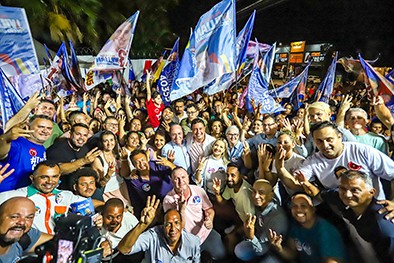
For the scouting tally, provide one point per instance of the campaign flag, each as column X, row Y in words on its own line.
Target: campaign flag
column 10, row 100
column 160, row 66
column 67, row 72
column 114, row 54
column 379, row 84
column 210, row 52
column 56, row 64
column 26, row 85
column 250, row 50
column 168, row 73
column 296, row 84
column 131, row 72
column 327, row 85
column 49, row 55
column 390, row 76
column 17, row 52
column 259, row 82
column 74, row 66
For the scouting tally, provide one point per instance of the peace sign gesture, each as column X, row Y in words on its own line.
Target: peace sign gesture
column 4, row 175
column 249, row 225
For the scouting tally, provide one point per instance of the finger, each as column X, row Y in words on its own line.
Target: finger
column 4, row 168
column 148, row 201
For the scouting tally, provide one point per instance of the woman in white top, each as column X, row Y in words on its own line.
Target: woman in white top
column 213, row 166
column 108, row 166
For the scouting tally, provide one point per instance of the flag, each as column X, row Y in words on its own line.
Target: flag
column 56, row 64
column 67, row 72
column 210, row 52
column 74, row 67
column 327, row 85
column 114, row 54
column 259, row 82
column 250, row 50
column 131, row 72
column 296, row 84
column 390, row 76
column 168, row 73
column 26, row 85
column 225, row 81
column 49, row 56
column 160, row 66
column 379, row 84
column 10, row 100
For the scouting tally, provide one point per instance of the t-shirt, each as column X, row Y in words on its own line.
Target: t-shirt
column 23, row 156
column 154, row 113
column 374, row 140
column 214, row 168
column 56, row 133
column 15, row 252
column 242, row 199
column 320, row 242
column 129, row 221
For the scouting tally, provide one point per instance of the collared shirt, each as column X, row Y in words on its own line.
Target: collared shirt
column 182, row 157
column 154, row 243
column 192, row 148
column 48, row 206
column 235, row 153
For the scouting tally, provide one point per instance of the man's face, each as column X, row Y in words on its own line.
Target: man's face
column 79, row 137
column 261, row 194
column 16, row 220
column 111, row 125
column 45, row 108
column 176, row 134
column 233, row 177
column 135, row 125
column 377, row 128
column 302, row 210
column 112, row 218
column 140, row 162
column 42, row 130
column 354, row 192
column 86, row 186
column 172, row 227
column 198, row 131
column 167, row 115
column 317, row 115
column 257, row 126
column 180, row 180
column 46, row 178
column 269, row 126
column 329, row 142
column 179, row 108
column 232, row 136
column 192, row 113
column 356, row 120
column 217, row 106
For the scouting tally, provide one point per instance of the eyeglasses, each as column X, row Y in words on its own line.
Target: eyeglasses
column 232, row 134
column 191, row 112
column 112, row 124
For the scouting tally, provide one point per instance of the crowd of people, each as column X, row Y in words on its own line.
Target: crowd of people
column 202, row 179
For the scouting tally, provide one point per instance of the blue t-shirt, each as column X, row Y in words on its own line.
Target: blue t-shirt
column 16, row 251
column 320, row 242
column 23, row 157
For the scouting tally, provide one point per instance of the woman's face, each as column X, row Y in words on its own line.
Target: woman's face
column 149, row 132
column 108, row 142
column 218, row 148
column 133, row 140
column 136, row 125
column 285, row 141
column 159, row 141
column 217, row 127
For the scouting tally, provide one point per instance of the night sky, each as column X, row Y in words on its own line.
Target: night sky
column 363, row 26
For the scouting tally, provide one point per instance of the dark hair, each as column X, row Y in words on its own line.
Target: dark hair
column 39, row 116
column 269, row 116
column 169, row 107
column 136, row 152
column 324, row 124
column 45, row 163
column 101, row 145
column 110, row 118
column 215, row 120
column 179, row 100
column 232, row 164
column 112, row 202
column 192, row 105
column 155, row 94
column 79, row 125
column 196, row 121
column 173, row 210
column 84, row 172
column 47, row 101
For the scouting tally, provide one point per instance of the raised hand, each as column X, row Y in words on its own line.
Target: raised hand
column 4, row 175
column 280, row 157
column 111, row 168
column 217, row 183
column 208, row 222
column 249, row 225
column 287, row 125
column 91, row 155
column 275, row 239
column 17, row 131
column 149, row 212
column 388, row 209
column 171, row 156
column 308, row 187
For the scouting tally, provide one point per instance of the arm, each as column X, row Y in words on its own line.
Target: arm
column 216, row 189
column 148, row 89
column 147, row 217
column 209, row 216
column 85, row 98
column 345, row 106
column 247, row 156
column 265, row 160
column 67, row 168
column 43, row 238
column 198, row 173
column 9, row 136
column 283, row 174
column 383, row 113
column 276, row 240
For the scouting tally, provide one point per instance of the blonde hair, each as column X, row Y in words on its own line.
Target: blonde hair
column 320, row 106
column 225, row 157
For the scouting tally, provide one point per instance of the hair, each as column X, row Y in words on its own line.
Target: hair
column 324, row 124
column 78, row 125
column 39, row 116
column 170, row 108
column 179, row 100
column 146, row 126
column 178, row 168
column 320, row 106
column 47, row 101
column 45, row 163
column 101, row 145
column 155, row 94
column 211, row 122
column 84, row 172
column 112, row 202
column 310, row 198
column 110, row 118
column 127, row 136
column 362, row 111
column 191, row 105
column 269, row 116
column 232, row 164
column 375, row 121
column 73, row 114
column 288, row 133
column 224, row 157
column 196, row 121
column 232, row 127
column 173, row 210
column 352, row 174
column 136, row 152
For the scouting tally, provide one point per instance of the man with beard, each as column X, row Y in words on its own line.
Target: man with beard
column 314, row 238
column 116, row 224
column 72, row 153
column 180, row 114
column 85, row 184
column 23, row 150
column 16, row 234
column 167, row 243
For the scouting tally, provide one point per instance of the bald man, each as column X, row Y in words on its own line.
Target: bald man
column 16, row 235
column 268, row 215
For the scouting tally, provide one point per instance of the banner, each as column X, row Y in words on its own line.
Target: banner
column 26, row 85
column 114, row 54
column 327, row 85
column 258, row 84
column 17, row 52
column 210, row 52
column 10, row 100
column 168, row 73
column 390, row 76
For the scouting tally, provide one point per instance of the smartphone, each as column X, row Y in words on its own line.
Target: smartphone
column 64, row 251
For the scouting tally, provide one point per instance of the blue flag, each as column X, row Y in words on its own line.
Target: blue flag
column 131, row 72
column 10, row 100
column 258, row 84
column 296, row 84
column 167, row 75
column 327, row 85
column 210, row 52
column 390, row 76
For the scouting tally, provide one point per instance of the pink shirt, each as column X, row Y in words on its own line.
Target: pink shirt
column 194, row 211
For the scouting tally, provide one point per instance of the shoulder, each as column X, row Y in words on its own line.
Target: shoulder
column 191, row 240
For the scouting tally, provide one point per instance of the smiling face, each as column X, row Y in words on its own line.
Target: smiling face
column 329, row 142
column 354, row 192
column 233, row 177
column 167, row 115
column 176, row 134
column 135, row 125
column 85, row 186
column 108, row 142
column 79, row 136
column 198, row 131
column 45, row 108
column 218, row 148
column 140, row 162
column 172, row 227
column 217, row 127
column 16, row 219
column 317, row 115
column 46, row 178
column 302, row 210
column 112, row 218
column 133, row 140
column 42, row 130
column 356, row 120
column 286, row 142
column 180, row 180
column 262, row 193
column 160, row 141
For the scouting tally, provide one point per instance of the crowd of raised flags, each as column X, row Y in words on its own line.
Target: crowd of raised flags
column 214, row 59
